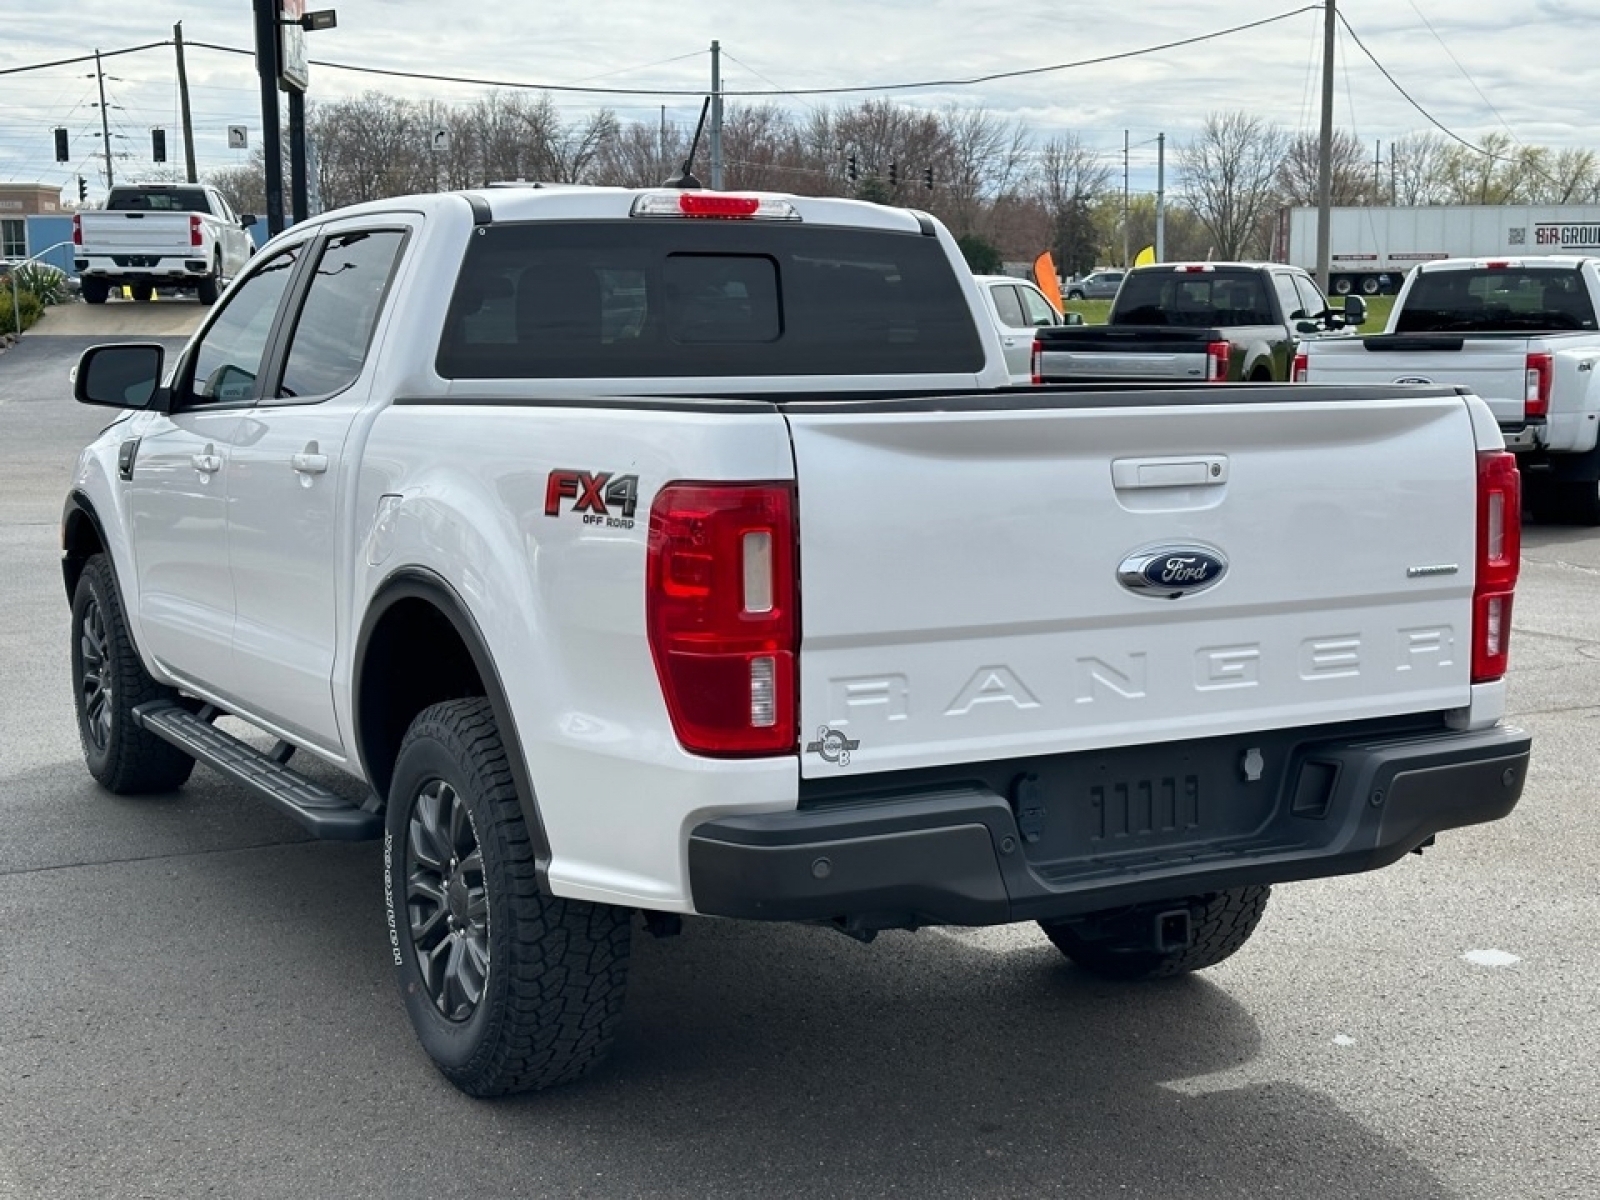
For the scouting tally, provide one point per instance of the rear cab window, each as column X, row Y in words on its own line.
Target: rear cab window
column 644, row 299
column 1193, row 299
column 153, row 199
column 1489, row 299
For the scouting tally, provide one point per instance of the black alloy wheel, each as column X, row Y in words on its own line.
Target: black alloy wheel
column 508, row 987
column 96, row 688
column 447, row 901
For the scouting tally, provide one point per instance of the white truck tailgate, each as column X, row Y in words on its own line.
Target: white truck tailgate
column 960, row 591
column 1493, row 368
column 135, row 233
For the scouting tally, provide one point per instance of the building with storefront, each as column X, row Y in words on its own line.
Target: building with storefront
column 18, row 202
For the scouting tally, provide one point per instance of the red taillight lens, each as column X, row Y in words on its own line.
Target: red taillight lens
column 1217, row 361
column 717, row 204
column 721, row 601
column 1302, row 367
column 1499, row 558
column 194, row 230
column 1536, row 397
column 1036, row 362
column 77, row 230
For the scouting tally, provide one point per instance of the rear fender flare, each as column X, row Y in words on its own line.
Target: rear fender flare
column 420, row 583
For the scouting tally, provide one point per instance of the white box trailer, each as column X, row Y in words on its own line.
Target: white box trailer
column 1373, row 248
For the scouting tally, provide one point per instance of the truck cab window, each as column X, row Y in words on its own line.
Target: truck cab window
column 228, row 359
column 335, row 325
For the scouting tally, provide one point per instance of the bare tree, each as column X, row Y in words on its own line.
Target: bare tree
column 1067, row 179
column 1414, row 169
column 244, row 186
column 1299, row 174
column 1228, row 173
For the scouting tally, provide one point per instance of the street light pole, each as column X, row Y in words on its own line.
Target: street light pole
column 266, row 12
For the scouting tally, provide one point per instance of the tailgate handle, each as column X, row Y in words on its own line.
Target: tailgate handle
column 1206, row 470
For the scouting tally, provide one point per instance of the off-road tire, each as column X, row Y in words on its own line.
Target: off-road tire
column 108, row 683
column 95, row 290
column 550, row 973
column 1221, row 922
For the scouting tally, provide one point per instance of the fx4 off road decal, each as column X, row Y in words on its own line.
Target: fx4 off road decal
column 602, row 498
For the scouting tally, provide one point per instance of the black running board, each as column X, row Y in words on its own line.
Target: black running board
column 324, row 813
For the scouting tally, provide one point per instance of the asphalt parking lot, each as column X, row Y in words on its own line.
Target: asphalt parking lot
column 195, row 999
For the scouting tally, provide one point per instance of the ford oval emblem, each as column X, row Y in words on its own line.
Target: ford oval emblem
column 1413, row 379
column 1168, row 572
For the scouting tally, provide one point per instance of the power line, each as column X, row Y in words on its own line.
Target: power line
column 917, row 85
column 1486, row 101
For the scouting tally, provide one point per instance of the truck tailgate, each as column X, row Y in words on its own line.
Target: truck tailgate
column 135, row 233
column 1494, row 368
column 961, row 600
column 1123, row 352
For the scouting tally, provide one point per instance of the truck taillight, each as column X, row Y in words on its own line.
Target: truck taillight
column 1036, row 362
column 1302, row 367
column 77, row 230
column 194, row 230
column 1499, row 557
column 721, row 607
column 1217, row 361
column 1536, row 397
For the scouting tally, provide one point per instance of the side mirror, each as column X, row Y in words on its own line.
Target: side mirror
column 1355, row 312
column 121, row 376
column 247, row 220
column 1072, row 318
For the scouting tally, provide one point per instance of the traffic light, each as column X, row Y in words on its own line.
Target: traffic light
column 850, row 169
column 61, row 145
column 158, row 145
column 927, row 178
column 83, row 189
column 894, row 175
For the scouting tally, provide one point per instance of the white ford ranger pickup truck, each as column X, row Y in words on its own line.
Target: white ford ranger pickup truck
column 638, row 554
column 1522, row 334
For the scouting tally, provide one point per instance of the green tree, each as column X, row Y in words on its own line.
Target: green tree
column 982, row 255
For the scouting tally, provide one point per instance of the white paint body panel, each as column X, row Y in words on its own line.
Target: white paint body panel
column 961, row 601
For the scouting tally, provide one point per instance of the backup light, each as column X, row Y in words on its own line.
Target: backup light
column 715, row 205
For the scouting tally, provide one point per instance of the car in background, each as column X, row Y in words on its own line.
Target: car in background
column 1019, row 310
column 1097, row 285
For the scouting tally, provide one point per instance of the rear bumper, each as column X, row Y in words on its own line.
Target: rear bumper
column 145, row 268
column 1082, row 833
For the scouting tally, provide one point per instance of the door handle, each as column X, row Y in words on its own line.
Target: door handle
column 208, row 462
column 309, row 464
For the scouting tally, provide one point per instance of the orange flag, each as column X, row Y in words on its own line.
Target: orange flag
column 1044, row 274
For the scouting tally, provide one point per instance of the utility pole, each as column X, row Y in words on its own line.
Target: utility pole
column 716, row 116
column 1161, row 197
column 1377, row 171
column 190, row 173
column 1325, row 158
column 105, row 120
column 1125, row 260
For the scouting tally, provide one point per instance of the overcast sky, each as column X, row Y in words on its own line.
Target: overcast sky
column 1471, row 64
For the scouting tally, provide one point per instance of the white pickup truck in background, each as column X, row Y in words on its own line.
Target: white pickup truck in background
column 638, row 554
column 152, row 235
column 1521, row 334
